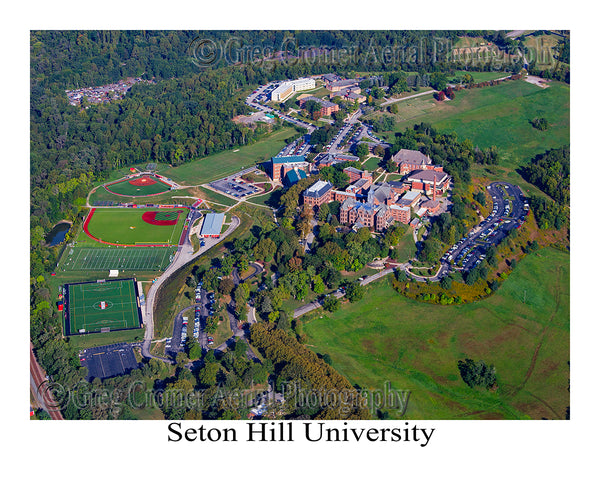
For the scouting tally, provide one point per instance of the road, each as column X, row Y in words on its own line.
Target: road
column 184, row 255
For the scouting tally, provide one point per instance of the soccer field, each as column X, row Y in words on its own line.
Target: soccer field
column 126, row 226
column 101, row 306
column 138, row 259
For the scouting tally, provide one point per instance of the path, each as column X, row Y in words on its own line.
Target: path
column 394, row 100
column 185, row 254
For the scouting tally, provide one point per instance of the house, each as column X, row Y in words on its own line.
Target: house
column 410, row 160
column 318, row 194
column 356, row 174
column 327, row 107
column 341, row 84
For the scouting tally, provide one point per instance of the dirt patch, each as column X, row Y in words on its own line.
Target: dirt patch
column 369, row 346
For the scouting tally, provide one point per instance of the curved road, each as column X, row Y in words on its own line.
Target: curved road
column 185, row 254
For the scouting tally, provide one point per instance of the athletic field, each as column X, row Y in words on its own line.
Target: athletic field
column 134, row 226
column 139, row 259
column 139, row 186
column 101, row 306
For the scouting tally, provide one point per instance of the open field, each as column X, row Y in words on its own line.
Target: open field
column 228, row 162
column 126, row 226
column 523, row 330
column 498, row 115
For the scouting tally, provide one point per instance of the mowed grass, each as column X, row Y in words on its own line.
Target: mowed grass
column 125, row 226
column 498, row 115
column 228, row 162
column 523, row 329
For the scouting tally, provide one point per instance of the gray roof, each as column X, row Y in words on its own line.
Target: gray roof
column 412, row 157
column 212, row 224
column 428, row 176
column 319, row 189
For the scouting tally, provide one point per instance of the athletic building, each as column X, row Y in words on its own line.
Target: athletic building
column 211, row 227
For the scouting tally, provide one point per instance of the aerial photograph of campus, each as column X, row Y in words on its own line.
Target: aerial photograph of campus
column 300, row 225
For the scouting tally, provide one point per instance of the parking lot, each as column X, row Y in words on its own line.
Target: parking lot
column 508, row 212
column 234, row 187
column 108, row 361
column 195, row 315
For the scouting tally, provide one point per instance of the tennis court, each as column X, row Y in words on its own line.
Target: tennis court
column 101, row 306
column 130, row 259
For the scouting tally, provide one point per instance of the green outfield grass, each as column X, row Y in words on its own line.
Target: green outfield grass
column 498, row 115
column 225, row 163
column 124, row 187
column 523, row 330
column 170, row 197
column 92, row 307
column 125, row 226
column 116, row 258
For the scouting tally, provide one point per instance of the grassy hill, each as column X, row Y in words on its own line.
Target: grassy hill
column 523, row 330
column 498, row 115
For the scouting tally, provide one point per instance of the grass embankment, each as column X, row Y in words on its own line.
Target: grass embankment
column 523, row 330
column 225, row 163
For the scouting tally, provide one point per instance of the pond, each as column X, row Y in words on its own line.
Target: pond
column 57, row 234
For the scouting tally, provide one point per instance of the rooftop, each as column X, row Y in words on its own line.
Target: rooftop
column 428, row 176
column 212, row 224
column 412, row 157
column 289, row 159
column 318, row 189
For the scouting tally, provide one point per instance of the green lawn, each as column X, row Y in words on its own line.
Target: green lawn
column 371, row 164
column 523, row 330
column 225, row 163
column 498, row 115
column 407, row 246
column 125, row 226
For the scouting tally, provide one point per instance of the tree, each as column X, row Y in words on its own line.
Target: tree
column 446, row 283
column 318, row 285
column 331, row 303
column 226, row 286
column 362, row 150
column 477, row 374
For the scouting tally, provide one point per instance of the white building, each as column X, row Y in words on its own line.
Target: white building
column 283, row 91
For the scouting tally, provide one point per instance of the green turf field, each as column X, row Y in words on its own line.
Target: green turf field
column 523, row 330
column 87, row 313
column 126, row 188
column 125, row 226
column 225, row 163
column 137, row 259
